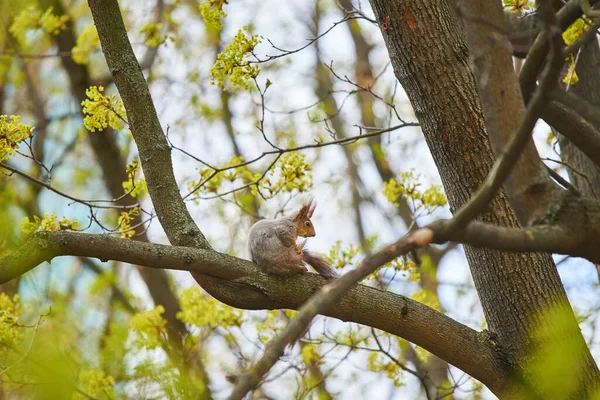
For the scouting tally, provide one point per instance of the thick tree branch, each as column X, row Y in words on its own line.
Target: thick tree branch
column 426, row 46
column 434, row 331
column 529, row 186
column 155, row 153
column 44, row 246
column 546, row 238
column 509, row 158
column 575, row 128
column 151, row 52
column 590, row 112
column 521, row 31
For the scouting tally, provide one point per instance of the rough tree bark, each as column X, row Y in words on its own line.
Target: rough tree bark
column 430, row 59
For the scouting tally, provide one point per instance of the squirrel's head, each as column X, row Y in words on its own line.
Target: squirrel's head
column 304, row 226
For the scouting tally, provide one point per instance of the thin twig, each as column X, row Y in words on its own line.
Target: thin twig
column 65, row 195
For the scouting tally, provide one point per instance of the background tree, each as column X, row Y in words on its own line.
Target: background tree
column 222, row 141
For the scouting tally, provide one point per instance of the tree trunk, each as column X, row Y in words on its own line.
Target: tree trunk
column 517, row 291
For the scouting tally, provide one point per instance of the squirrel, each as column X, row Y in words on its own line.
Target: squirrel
column 272, row 244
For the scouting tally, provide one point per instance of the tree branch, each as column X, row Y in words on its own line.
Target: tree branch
column 155, row 153
column 546, row 238
column 575, row 128
column 499, row 125
column 432, row 330
column 582, row 107
column 44, row 246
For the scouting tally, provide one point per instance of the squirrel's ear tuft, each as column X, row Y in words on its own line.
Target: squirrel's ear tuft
column 306, row 211
column 311, row 208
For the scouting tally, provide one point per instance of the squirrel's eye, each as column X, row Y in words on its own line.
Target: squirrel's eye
column 307, row 223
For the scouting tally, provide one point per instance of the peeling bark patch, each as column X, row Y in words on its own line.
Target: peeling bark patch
column 385, row 24
column 410, row 20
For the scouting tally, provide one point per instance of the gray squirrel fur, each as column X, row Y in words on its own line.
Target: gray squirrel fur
column 272, row 245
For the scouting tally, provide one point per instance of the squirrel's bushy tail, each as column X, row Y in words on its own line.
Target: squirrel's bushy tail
column 319, row 264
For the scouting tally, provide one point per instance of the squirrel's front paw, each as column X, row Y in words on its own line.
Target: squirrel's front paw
column 296, row 269
column 302, row 268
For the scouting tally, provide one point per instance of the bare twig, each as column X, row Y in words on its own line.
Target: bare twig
column 65, row 195
column 354, row 14
column 280, row 152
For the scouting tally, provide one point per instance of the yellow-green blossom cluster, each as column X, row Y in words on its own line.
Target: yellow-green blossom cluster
column 340, row 256
column 106, row 280
column 270, row 325
column 376, row 362
column 231, row 65
column 212, row 13
column 133, row 186
column 152, row 34
column 291, row 172
column 150, row 328
column 570, row 35
column 407, row 187
column 125, row 220
column 102, row 110
column 351, row 337
column 211, row 182
column 94, row 382
column 427, row 297
column 53, row 23
column 201, row 310
column 12, row 132
column 87, row 42
column 10, row 311
column 311, row 355
column 571, row 77
column 50, row 222
column 31, row 18
column 422, row 354
column 405, row 265
column 574, row 32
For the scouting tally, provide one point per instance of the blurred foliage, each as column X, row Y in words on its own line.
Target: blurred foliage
column 212, row 13
column 31, row 18
column 87, row 42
